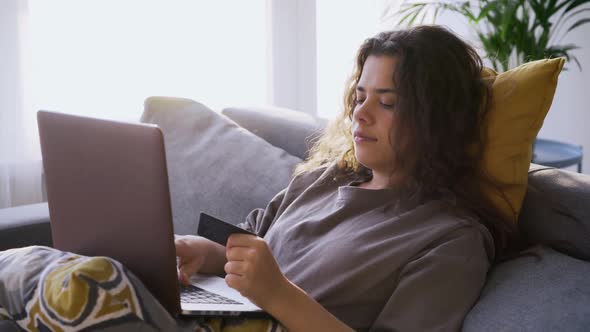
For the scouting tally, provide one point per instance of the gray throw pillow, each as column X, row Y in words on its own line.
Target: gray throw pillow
column 214, row 165
column 293, row 131
column 528, row 294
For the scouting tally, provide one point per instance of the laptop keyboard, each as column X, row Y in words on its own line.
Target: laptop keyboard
column 193, row 294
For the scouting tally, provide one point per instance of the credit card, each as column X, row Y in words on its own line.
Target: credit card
column 217, row 230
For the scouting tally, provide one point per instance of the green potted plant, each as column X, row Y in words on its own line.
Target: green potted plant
column 511, row 32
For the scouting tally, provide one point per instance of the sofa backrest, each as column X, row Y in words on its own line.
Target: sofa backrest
column 556, row 206
column 556, row 210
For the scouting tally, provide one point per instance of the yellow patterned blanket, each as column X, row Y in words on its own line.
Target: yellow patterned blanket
column 44, row 289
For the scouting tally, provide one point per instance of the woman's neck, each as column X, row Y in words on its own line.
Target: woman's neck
column 381, row 180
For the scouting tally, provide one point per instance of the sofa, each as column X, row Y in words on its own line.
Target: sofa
column 231, row 161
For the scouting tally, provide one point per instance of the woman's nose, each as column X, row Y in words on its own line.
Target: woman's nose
column 362, row 112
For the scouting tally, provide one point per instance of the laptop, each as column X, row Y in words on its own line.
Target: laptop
column 108, row 195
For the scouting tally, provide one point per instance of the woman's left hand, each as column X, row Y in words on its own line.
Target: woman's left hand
column 253, row 271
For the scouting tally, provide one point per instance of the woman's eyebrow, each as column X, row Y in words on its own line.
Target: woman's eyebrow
column 378, row 90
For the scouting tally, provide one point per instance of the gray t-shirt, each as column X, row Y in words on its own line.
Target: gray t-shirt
column 374, row 265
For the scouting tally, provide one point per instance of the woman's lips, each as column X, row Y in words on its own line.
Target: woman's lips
column 359, row 138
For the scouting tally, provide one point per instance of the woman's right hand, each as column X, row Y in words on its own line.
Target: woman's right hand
column 197, row 254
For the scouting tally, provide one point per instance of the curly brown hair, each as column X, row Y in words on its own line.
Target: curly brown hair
column 441, row 105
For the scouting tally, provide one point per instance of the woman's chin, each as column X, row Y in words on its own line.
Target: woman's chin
column 364, row 160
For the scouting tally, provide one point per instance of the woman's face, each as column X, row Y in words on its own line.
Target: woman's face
column 374, row 113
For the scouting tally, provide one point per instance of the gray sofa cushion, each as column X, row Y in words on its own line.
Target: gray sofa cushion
column 25, row 225
column 9, row 326
column 215, row 166
column 555, row 208
column 527, row 294
column 289, row 130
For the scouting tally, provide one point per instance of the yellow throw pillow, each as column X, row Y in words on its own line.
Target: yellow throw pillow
column 521, row 98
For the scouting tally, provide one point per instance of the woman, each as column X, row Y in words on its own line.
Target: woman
column 384, row 227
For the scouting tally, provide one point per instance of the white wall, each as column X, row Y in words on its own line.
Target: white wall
column 569, row 117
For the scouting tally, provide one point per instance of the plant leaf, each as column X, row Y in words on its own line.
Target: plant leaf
column 578, row 23
column 411, row 13
column 575, row 4
column 485, row 10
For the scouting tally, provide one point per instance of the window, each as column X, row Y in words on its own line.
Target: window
column 104, row 57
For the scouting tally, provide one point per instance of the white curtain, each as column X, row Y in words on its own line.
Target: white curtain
column 20, row 161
